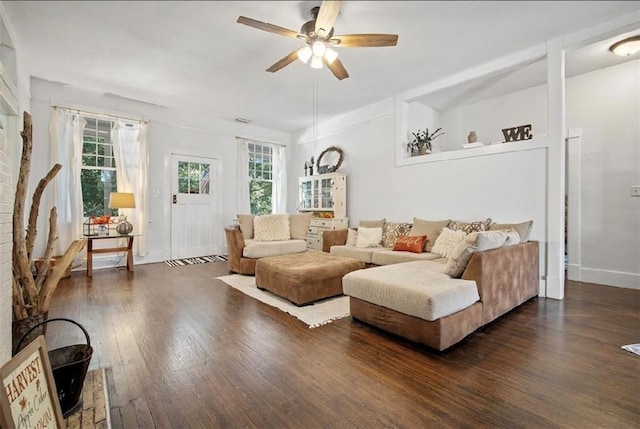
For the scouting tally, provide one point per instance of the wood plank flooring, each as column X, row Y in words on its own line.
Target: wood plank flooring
column 184, row 350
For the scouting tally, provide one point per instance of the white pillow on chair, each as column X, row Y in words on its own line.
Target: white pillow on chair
column 273, row 227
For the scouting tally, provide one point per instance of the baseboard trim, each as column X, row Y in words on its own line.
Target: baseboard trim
column 604, row 277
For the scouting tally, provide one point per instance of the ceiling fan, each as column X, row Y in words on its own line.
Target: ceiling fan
column 320, row 41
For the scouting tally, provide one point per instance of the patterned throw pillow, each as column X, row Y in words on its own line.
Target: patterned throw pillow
column 392, row 231
column 447, row 242
column 273, row 227
column 414, row 243
column 369, row 237
column 469, row 227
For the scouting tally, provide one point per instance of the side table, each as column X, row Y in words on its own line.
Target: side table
column 128, row 248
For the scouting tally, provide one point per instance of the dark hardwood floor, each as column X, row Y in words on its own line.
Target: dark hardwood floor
column 184, row 350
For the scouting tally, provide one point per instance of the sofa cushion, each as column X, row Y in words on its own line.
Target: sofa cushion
column 373, row 223
column 299, row 225
column 413, row 244
column 274, row 227
column 469, row 227
column 392, row 230
column 369, row 237
column 475, row 242
column 523, row 229
column 414, row 288
column 447, row 242
column 246, row 225
column 363, row 254
column 261, row 249
column 387, row 257
column 430, row 228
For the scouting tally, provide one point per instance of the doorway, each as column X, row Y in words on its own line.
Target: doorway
column 193, row 206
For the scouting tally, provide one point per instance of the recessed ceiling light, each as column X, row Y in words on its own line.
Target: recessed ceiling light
column 626, row 47
column 243, row 120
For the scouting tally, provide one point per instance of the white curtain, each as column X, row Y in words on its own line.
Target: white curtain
column 65, row 130
column 279, row 189
column 132, row 160
column 243, row 204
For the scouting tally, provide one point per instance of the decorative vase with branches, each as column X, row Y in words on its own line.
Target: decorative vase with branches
column 423, row 141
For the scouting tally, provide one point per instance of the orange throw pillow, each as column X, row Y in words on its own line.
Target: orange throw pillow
column 410, row 243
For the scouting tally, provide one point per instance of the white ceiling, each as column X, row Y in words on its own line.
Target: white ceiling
column 195, row 57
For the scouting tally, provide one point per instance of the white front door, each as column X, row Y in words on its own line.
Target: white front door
column 193, row 188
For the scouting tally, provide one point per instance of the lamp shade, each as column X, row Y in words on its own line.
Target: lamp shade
column 121, row 200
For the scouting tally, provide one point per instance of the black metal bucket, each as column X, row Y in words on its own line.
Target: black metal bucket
column 69, row 366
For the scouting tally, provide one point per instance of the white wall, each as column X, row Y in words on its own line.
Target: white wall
column 10, row 149
column 169, row 132
column 605, row 105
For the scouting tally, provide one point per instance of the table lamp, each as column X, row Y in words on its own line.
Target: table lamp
column 122, row 200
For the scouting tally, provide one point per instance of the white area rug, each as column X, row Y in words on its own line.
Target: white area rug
column 316, row 314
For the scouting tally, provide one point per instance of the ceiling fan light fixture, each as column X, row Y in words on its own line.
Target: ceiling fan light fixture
column 316, row 62
column 330, row 55
column 304, row 54
column 626, row 47
column 319, row 48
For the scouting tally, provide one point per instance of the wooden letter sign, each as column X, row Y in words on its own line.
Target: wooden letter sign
column 30, row 400
column 521, row 132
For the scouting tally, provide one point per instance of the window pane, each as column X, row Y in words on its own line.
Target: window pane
column 260, row 193
column 96, row 187
column 204, row 182
column 88, row 160
column 183, row 168
column 183, row 185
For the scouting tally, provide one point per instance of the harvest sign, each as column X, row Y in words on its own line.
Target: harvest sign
column 30, row 400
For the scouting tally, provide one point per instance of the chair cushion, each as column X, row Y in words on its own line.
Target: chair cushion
column 260, row 249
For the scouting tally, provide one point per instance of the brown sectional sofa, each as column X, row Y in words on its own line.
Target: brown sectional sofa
column 505, row 278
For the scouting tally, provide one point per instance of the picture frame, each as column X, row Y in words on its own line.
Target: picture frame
column 30, row 399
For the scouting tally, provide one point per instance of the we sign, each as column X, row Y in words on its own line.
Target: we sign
column 522, row 132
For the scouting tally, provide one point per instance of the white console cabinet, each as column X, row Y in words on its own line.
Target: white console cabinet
column 323, row 195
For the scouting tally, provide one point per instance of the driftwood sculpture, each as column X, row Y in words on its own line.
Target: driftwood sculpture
column 32, row 295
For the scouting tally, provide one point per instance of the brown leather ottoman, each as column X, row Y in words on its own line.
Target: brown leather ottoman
column 304, row 277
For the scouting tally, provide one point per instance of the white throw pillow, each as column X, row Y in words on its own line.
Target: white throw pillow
column 447, row 242
column 271, row 227
column 369, row 237
column 352, row 236
column 513, row 237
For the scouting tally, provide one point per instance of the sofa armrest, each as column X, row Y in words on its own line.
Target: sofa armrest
column 506, row 277
column 336, row 237
column 235, row 245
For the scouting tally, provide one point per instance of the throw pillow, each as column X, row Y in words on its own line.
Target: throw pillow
column 448, row 241
column 369, row 237
column 246, row 225
column 373, row 223
column 352, row 235
column 299, row 225
column 430, row 228
column 273, row 227
column 469, row 227
column 523, row 229
column 413, row 244
column 475, row 242
column 392, row 230
column 513, row 237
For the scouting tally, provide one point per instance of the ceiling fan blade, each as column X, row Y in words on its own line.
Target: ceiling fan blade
column 337, row 68
column 363, row 40
column 327, row 15
column 284, row 61
column 270, row 28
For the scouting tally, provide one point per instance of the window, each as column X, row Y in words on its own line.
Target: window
column 193, row 178
column 260, row 178
column 98, row 175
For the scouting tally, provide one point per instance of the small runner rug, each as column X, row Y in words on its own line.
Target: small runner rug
column 198, row 260
column 316, row 314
